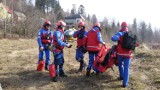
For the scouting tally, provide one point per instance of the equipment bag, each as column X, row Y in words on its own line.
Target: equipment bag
column 52, row 70
column 129, row 41
column 110, row 58
column 40, row 66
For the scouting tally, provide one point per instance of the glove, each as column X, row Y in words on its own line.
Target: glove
column 41, row 49
column 83, row 48
column 69, row 45
column 50, row 47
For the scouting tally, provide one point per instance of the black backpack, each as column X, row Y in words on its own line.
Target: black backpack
column 129, row 41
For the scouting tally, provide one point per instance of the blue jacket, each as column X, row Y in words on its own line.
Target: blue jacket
column 58, row 37
column 117, row 36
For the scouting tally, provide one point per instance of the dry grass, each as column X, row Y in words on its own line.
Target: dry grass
column 18, row 62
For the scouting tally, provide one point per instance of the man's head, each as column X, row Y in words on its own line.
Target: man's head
column 97, row 24
column 124, row 26
column 61, row 24
column 47, row 24
column 81, row 24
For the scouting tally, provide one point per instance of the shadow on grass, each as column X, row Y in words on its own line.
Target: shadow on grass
column 32, row 78
column 94, row 82
column 25, row 79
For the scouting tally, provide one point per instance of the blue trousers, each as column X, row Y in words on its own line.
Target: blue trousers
column 124, row 65
column 92, row 56
column 59, row 61
column 79, row 54
column 47, row 54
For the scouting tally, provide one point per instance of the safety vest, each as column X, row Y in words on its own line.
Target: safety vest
column 92, row 41
column 80, row 37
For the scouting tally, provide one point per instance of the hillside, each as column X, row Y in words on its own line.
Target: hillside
column 18, row 62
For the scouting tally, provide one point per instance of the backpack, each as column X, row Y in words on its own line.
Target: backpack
column 129, row 41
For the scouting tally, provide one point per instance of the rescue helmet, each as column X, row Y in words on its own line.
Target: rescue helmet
column 47, row 23
column 81, row 23
column 124, row 24
column 124, row 27
column 97, row 24
column 61, row 23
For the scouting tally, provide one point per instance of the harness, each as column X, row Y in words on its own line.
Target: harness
column 46, row 38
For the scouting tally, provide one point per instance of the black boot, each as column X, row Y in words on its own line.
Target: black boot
column 61, row 74
column 80, row 67
column 120, row 78
column 46, row 67
column 54, row 79
column 88, row 72
column 97, row 73
column 124, row 86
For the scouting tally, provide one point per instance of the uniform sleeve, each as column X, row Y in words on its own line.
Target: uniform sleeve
column 85, row 38
column 117, row 36
column 39, row 38
column 59, row 39
column 99, row 36
column 51, row 37
column 75, row 35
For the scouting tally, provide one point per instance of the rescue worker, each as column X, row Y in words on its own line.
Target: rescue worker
column 44, row 40
column 59, row 44
column 92, row 40
column 80, row 50
column 124, row 55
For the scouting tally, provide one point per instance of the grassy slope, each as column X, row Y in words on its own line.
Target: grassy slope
column 18, row 62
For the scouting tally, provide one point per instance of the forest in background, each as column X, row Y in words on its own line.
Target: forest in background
column 52, row 10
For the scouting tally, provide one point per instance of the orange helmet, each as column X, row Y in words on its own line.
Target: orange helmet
column 81, row 23
column 47, row 23
column 61, row 23
column 124, row 24
column 97, row 24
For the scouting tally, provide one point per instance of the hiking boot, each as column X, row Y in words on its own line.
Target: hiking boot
column 46, row 68
column 88, row 73
column 54, row 79
column 82, row 66
column 124, row 86
column 120, row 78
column 97, row 73
column 63, row 75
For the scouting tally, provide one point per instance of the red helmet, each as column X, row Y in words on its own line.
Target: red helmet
column 47, row 23
column 124, row 24
column 61, row 23
column 97, row 24
column 81, row 23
